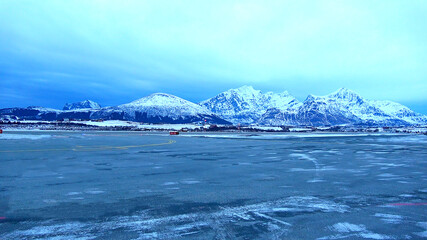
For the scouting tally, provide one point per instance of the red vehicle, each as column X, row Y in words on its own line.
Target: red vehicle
column 173, row 133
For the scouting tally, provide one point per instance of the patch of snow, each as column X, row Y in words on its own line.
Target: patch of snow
column 120, row 123
column 345, row 227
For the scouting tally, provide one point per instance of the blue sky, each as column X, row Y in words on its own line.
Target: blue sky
column 113, row 52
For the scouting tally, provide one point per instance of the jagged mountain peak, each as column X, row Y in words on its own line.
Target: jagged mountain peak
column 285, row 93
column 243, row 91
column 245, row 104
column 245, row 88
column 343, row 90
column 344, row 93
column 311, row 98
column 81, row 105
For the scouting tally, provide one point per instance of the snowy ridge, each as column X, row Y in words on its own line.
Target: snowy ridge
column 166, row 108
column 246, row 105
column 344, row 107
column 162, row 104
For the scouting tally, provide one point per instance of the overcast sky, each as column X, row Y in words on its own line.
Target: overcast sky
column 113, row 52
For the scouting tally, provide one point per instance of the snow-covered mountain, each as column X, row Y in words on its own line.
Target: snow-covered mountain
column 344, row 107
column 162, row 107
column 81, row 105
column 156, row 108
column 246, row 105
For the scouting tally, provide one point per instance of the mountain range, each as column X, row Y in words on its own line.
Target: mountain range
column 246, row 105
column 243, row 105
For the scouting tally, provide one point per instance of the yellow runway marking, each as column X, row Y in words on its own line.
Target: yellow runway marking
column 80, row 148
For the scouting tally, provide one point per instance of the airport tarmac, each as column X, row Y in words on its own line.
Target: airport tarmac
column 133, row 185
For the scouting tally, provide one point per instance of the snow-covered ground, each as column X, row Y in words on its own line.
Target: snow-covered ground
column 118, row 123
column 300, row 129
column 109, row 123
column 413, row 130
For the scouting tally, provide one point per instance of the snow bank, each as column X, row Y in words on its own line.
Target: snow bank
column 119, row 123
column 108, row 123
column 267, row 128
column 169, row 126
